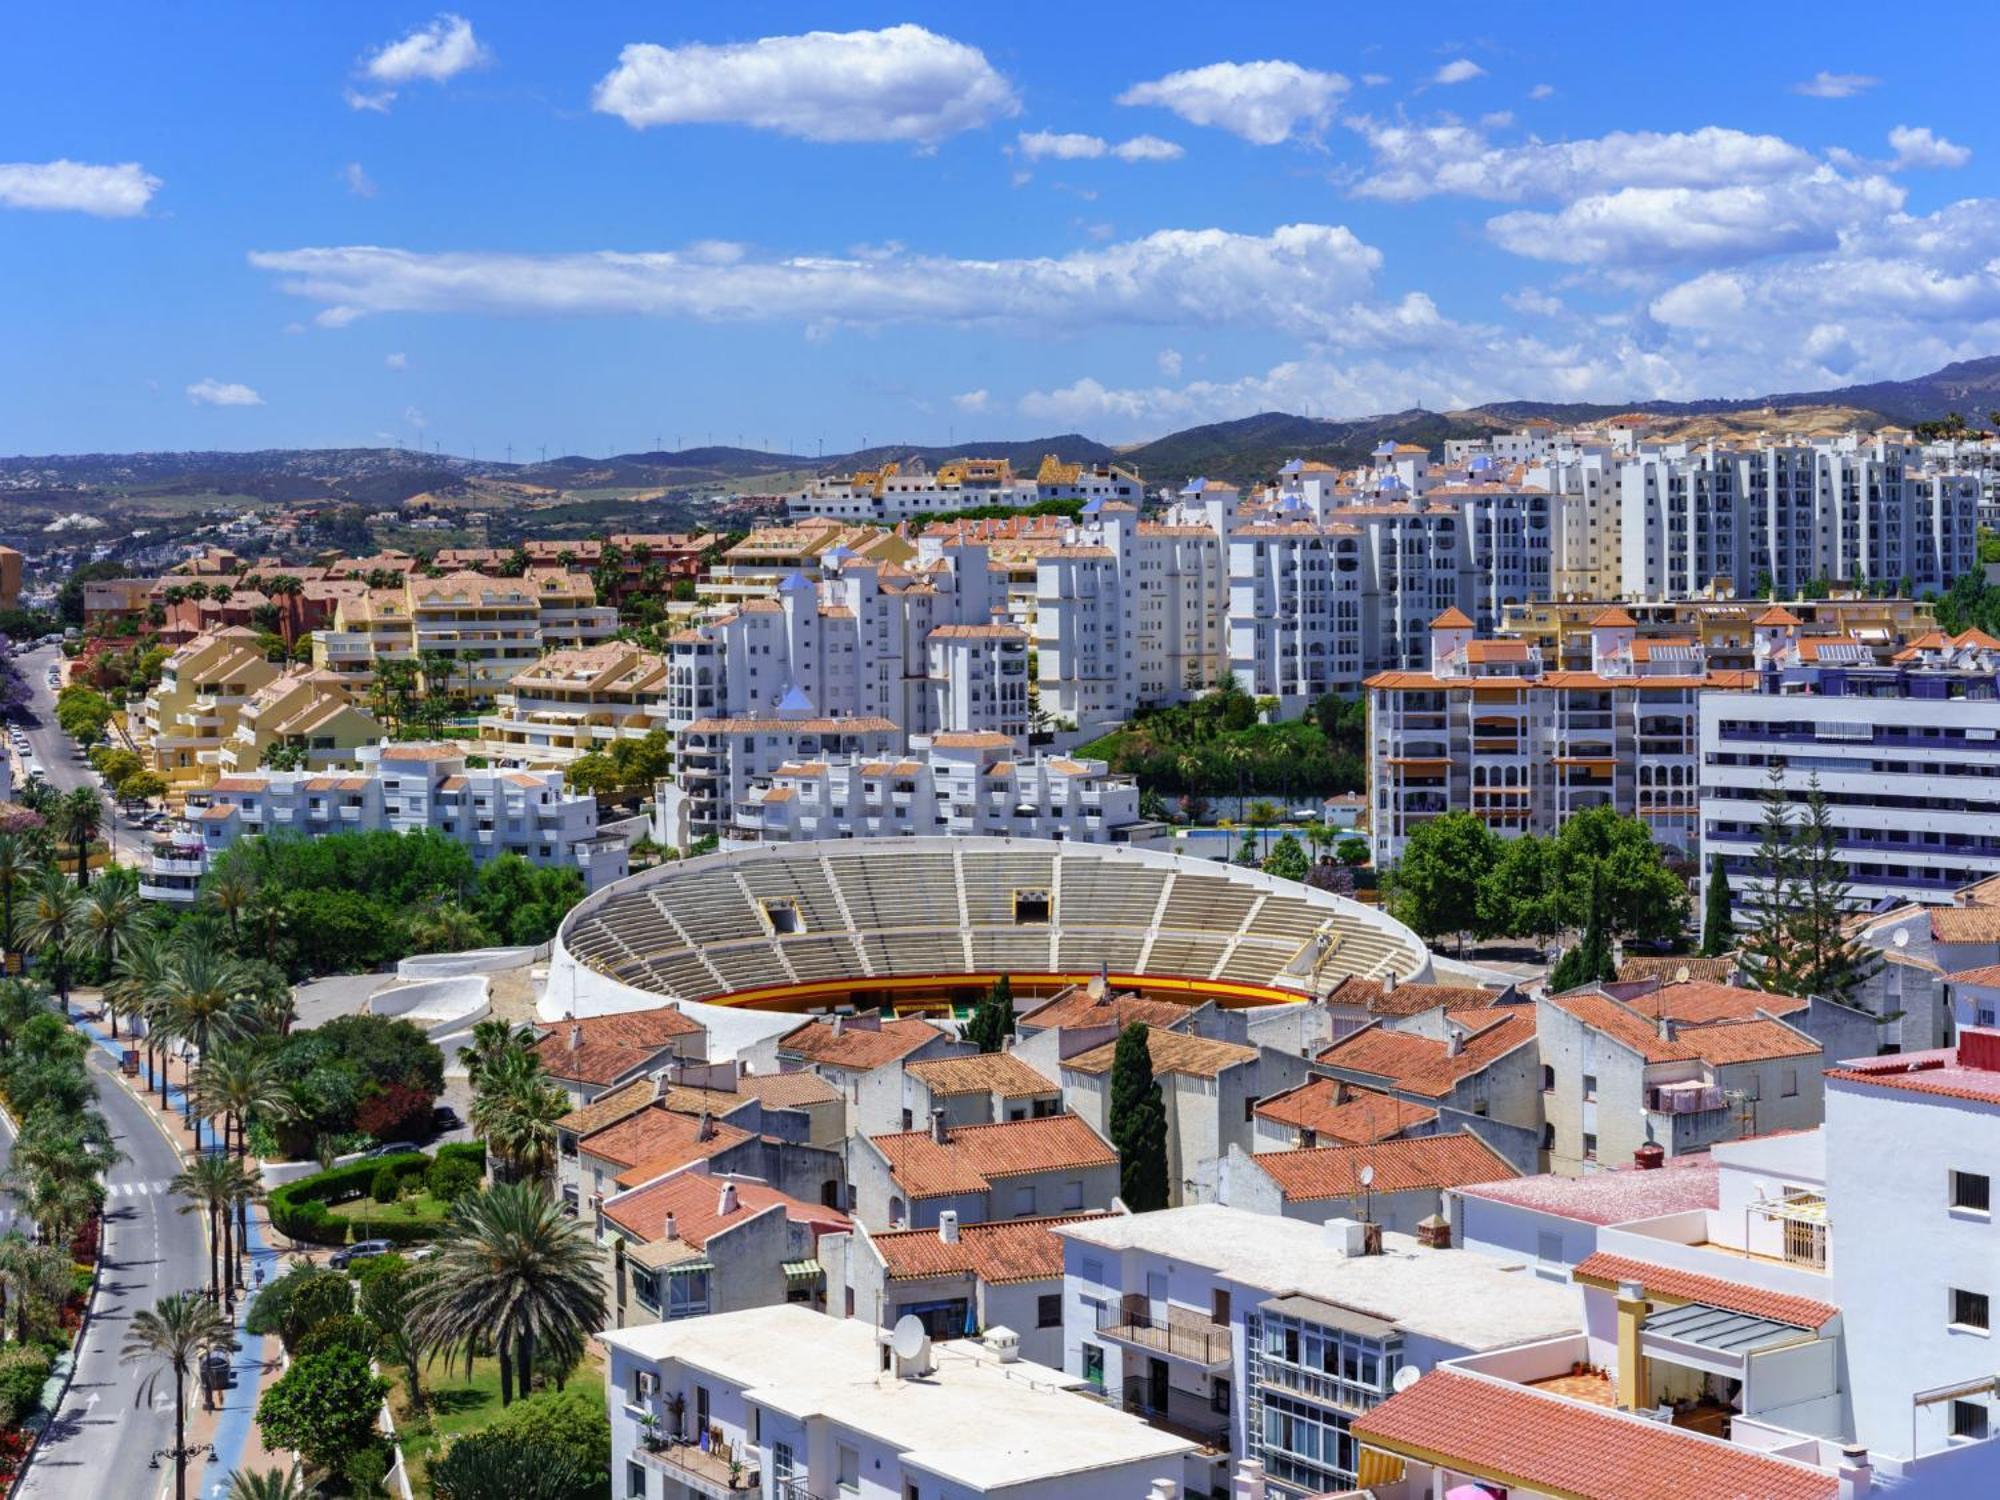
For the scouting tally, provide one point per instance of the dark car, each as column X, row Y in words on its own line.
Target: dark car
column 444, row 1117
column 391, row 1148
column 215, row 1370
column 340, row 1260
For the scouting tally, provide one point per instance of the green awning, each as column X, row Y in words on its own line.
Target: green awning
column 800, row 1272
column 687, row 1268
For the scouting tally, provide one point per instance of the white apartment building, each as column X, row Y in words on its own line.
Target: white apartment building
column 576, row 701
column 1265, row 1336
column 978, row 677
column 897, row 491
column 956, row 783
column 1490, row 729
column 724, row 764
column 1907, row 756
column 400, row 788
column 789, row 1404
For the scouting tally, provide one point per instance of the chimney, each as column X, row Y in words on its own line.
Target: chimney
column 575, row 1035
column 1454, row 1041
column 1666, row 1028
column 1099, row 988
column 948, row 1225
column 725, row 1201
column 1352, row 1238
column 659, row 1087
column 1341, row 1092
column 672, row 1231
column 839, row 1025
column 1163, row 1489
column 1389, row 983
column 1249, row 1481
column 1650, row 1157
column 1857, row 1475
column 705, row 1131
column 1434, row 1232
column 940, row 1132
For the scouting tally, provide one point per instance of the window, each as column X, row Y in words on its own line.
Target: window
column 646, row 1287
column 1048, row 1310
column 847, row 1467
column 1218, row 1306
column 1548, row 1078
column 1589, row 1146
column 635, row 1479
column 781, row 1461
column 1590, row 1085
column 1968, row 1309
column 1971, row 1191
column 1218, row 1396
column 1791, row 1088
column 1024, row 1201
column 1968, row 1420
column 1093, row 1366
column 1073, row 1195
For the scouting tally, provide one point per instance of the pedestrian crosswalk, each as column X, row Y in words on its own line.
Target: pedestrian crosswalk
column 137, row 1189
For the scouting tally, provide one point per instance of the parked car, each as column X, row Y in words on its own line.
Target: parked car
column 444, row 1117
column 215, row 1370
column 340, row 1260
column 391, row 1148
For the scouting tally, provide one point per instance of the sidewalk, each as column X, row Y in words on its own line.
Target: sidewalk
column 231, row 1429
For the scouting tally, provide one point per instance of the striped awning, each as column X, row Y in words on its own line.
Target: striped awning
column 803, row 1272
column 1377, row 1467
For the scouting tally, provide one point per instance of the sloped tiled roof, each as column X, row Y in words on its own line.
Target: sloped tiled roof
column 1709, row 970
column 1420, row 1065
column 695, row 1201
column 1720, row 1041
column 1344, row 1113
column 1407, row 1165
column 659, row 1136
column 1171, row 1052
column 973, row 1156
column 999, row 1073
column 609, row 1108
column 1965, row 924
column 1409, row 999
column 1000, row 1253
column 786, row 1090
column 603, row 1049
column 1077, row 1007
column 1677, row 1285
column 1494, row 1429
column 861, row 1047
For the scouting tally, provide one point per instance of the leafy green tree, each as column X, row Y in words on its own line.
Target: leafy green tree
column 1718, row 929
column 1138, row 1123
column 1287, row 859
column 1518, row 895
column 992, row 1019
column 323, row 1408
column 1638, row 896
column 1352, row 851
column 388, row 1285
column 571, row 1422
column 1434, row 888
column 502, row 1466
column 1591, row 960
column 294, row 1303
column 523, row 903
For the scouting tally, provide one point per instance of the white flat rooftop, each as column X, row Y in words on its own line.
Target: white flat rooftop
column 1476, row 1302
column 972, row 1419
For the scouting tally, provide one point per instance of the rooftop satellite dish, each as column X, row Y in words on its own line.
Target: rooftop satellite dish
column 908, row 1339
column 1902, row 937
column 1405, row 1377
column 1368, row 1176
column 1681, row 974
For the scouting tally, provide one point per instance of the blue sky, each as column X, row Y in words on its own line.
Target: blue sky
column 241, row 226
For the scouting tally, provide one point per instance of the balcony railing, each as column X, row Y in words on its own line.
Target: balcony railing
column 702, row 1473
column 1209, row 1429
column 1188, row 1336
column 1672, row 1101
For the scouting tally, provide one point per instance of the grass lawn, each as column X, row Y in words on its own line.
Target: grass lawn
column 423, row 1209
column 457, row 1405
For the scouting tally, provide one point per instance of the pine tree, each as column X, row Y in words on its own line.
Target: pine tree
column 1827, row 962
column 1138, row 1123
column 992, row 1019
column 1718, row 929
column 1772, row 897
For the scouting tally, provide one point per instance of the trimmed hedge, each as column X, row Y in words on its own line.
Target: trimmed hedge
column 298, row 1209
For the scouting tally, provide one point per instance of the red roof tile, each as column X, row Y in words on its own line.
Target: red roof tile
column 1171, row 1052
column 1618, row 1196
column 659, row 1136
column 999, row 1073
column 1965, row 924
column 1495, row 1430
column 603, row 1049
column 1343, row 1113
column 1947, row 1072
column 1408, row 1165
column 1010, row 1250
column 1078, row 1007
column 1676, row 1285
column 695, row 1201
column 1418, row 1064
column 864, row 1047
column 974, row 1155
column 1409, row 999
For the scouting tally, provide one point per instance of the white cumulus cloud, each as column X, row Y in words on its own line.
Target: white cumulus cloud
column 357, row 179
column 397, row 361
column 971, row 401
column 1297, row 277
column 212, row 392
column 64, row 186
column 1919, row 146
column 1263, row 102
column 1459, row 70
column 1825, row 85
column 433, row 53
column 1039, row 145
column 1542, row 91
column 899, row 84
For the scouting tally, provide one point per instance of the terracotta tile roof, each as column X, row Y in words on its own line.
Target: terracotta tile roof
column 1452, row 619
column 1618, row 1196
column 1171, row 1052
column 1965, row 924
column 695, row 1201
column 1077, row 1007
column 1496, row 1430
column 609, row 1108
column 1676, row 1285
column 422, row 752
column 1418, row 1065
column 1723, row 1042
column 1003, row 1253
column 974, row 1155
column 659, row 1136
column 1970, row 1071
column 999, row 1073
column 1342, row 1113
column 1409, row 999
column 856, row 1046
column 1407, row 1165
column 608, row 1047
column 1710, row 970
column 787, row 1090
column 1987, row 976
column 1708, row 1033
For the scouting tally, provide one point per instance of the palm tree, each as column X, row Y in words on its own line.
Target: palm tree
column 137, row 982
column 80, row 817
column 35, row 1282
column 203, row 991
column 515, row 1108
column 172, row 1336
column 236, row 1082
column 112, row 918
column 446, row 928
column 491, row 1039
column 52, row 926
column 514, row 1271
column 16, row 862
column 215, row 1183
column 272, row 1484
column 230, row 890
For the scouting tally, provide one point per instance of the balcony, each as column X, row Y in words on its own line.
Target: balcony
column 1185, row 1415
column 1684, row 1099
column 1180, row 1333
column 702, row 1473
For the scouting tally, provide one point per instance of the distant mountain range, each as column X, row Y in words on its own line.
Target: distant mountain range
column 1242, row 450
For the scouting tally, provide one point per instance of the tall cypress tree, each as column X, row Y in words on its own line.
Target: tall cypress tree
column 992, row 1019
column 1138, row 1123
column 1591, row 961
column 1718, row 928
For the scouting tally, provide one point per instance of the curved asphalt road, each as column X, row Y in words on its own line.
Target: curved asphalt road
column 100, row 1444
